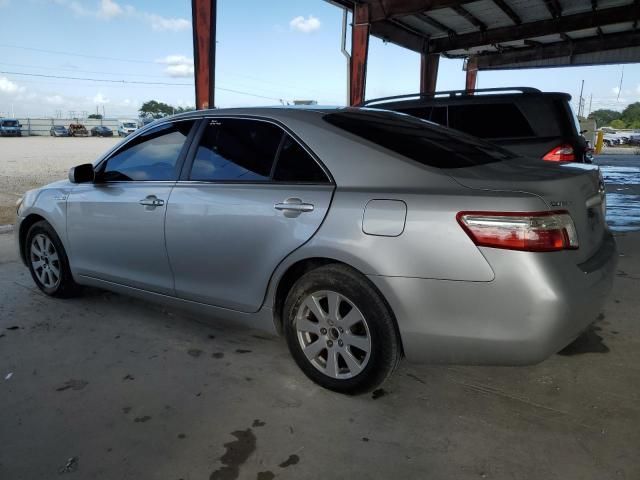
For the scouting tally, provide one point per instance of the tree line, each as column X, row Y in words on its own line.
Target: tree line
column 628, row 118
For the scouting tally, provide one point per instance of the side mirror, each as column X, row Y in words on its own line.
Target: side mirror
column 82, row 173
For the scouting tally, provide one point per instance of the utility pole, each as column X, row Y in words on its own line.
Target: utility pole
column 580, row 104
column 590, row 102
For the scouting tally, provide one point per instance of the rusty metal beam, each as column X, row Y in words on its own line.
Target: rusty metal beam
column 204, row 51
column 472, row 74
column 429, row 63
column 508, row 11
column 540, row 28
column 359, row 53
column 511, row 59
column 394, row 31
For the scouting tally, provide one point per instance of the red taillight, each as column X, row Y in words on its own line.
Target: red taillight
column 561, row 153
column 527, row 231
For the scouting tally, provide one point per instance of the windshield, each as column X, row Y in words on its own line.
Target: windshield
column 419, row 140
column 9, row 123
column 129, row 125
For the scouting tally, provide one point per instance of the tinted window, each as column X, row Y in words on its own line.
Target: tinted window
column 151, row 156
column 418, row 140
column 433, row 114
column 296, row 165
column 234, row 149
column 490, row 120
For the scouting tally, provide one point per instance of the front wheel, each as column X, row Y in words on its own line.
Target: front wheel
column 340, row 331
column 48, row 262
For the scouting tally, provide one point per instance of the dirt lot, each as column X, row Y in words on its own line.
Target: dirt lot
column 30, row 162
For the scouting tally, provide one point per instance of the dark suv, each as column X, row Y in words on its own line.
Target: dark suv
column 525, row 120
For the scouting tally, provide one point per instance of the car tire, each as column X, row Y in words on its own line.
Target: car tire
column 48, row 262
column 351, row 347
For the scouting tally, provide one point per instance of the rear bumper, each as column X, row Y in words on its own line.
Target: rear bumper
column 523, row 316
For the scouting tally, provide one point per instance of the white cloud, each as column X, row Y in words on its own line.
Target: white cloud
column 177, row 65
column 54, row 100
column 109, row 9
column 305, row 25
column 163, row 24
column 615, row 90
column 7, row 86
column 100, row 99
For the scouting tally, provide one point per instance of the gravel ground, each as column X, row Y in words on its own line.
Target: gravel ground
column 30, row 162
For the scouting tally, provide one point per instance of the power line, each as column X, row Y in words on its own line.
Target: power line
column 239, row 92
column 96, row 79
column 57, row 52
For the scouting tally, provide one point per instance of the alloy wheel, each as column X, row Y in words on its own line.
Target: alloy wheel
column 333, row 334
column 45, row 261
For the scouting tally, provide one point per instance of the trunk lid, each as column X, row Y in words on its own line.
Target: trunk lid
column 576, row 188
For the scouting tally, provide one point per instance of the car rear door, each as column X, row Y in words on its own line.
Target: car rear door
column 116, row 225
column 250, row 195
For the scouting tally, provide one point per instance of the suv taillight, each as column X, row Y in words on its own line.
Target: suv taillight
column 527, row 231
column 561, row 153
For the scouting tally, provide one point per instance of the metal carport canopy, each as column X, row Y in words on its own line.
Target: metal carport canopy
column 495, row 34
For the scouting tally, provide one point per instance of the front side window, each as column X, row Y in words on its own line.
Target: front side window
column 234, row 149
column 150, row 156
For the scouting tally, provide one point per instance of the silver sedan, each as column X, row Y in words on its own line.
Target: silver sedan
column 361, row 236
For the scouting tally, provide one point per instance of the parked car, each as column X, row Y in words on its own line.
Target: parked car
column 101, row 131
column 78, row 130
column 360, row 235
column 525, row 120
column 127, row 128
column 58, row 131
column 10, row 127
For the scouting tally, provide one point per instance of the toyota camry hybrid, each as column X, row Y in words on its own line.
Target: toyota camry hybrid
column 360, row 235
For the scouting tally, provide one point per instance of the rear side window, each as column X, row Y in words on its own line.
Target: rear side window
column 296, row 165
column 490, row 120
column 152, row 156
column 236, row 150
column 417, row 140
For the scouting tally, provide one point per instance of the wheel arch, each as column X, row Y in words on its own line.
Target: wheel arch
column 297, row 269
column 25, row 225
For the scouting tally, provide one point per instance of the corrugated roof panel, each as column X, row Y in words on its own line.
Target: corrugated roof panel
column 453, row 20
column 530, row 10
column 413, row 21
column 623, row 55
column 570, row 7
column 489, row 13
column 618, row 27
column 587, row 32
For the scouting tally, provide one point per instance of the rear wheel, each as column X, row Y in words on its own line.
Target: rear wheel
column 340, row 331
column 48, row 261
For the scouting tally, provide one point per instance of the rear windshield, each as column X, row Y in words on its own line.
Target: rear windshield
column 418, row 140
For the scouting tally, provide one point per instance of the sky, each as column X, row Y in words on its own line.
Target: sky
column 267, row 53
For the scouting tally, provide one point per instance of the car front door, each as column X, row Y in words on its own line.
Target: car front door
column 116, row 224
column 252, row 195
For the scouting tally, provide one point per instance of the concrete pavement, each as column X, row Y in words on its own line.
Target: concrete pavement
column 108, row 387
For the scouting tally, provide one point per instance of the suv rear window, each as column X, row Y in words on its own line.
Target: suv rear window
column 418, row 140
column 491, row 120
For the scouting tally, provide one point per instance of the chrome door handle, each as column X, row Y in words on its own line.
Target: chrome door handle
column 302, row 207
column 151, row 201
column 293, row 207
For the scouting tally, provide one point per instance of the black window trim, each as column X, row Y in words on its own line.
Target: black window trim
column 195, row 141
column 101, row 164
